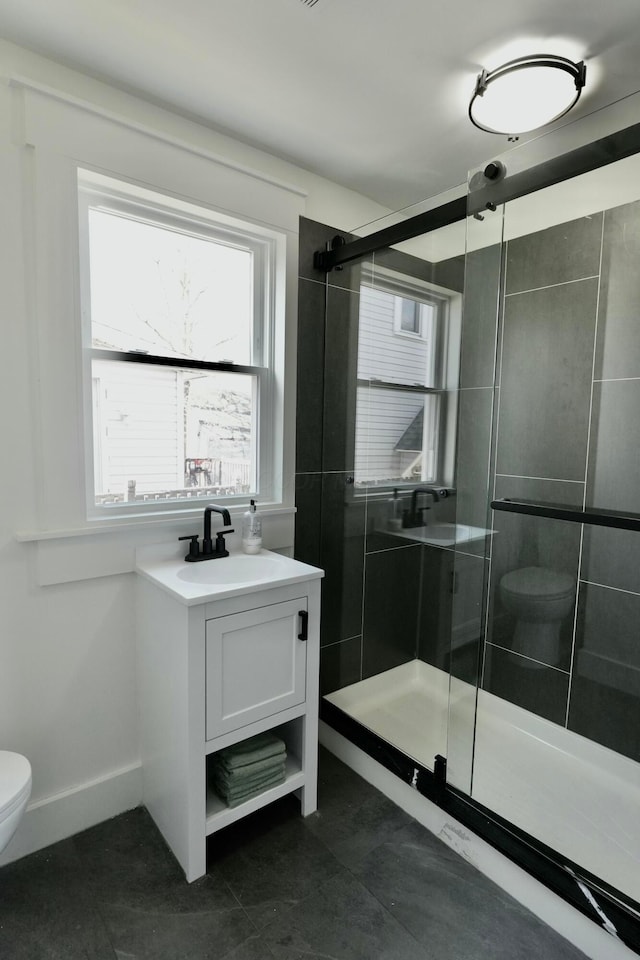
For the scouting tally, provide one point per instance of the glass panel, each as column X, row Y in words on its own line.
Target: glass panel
column 399, row 335
column 159, row 291
column 396, row 437
column 557, row 745
column 483, row 271
column 386, row 539
column 167, row 433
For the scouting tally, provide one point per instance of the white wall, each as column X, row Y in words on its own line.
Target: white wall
column 67, row 649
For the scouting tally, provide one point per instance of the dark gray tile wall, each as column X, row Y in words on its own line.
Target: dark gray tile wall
column 618, row 351
column 391, row 597
column 569, row 396
column 545, row 381
column 333, row 528
column 329, row 522
column 482, row 280
column 565, row 430
column 559, row 254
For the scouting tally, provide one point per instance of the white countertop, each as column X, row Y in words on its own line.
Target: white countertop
column 208, row 580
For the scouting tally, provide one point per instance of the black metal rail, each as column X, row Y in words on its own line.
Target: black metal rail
column 490, row 193
column 563, row 511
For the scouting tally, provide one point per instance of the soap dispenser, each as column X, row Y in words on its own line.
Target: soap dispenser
column 252, row 530
column 395, row 514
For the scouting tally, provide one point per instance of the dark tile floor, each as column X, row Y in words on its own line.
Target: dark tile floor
column 359, row 880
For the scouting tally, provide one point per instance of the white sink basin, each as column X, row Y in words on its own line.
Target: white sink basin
column 208, row 580
column 234, row 569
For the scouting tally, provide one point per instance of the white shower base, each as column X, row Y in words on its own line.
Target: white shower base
column 574, row 795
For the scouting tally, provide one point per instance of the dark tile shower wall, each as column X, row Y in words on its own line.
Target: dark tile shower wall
column 567, row 431
column 329, row 525
column 371, row 591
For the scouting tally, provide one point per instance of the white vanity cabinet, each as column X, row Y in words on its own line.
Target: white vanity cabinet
column 214, row 670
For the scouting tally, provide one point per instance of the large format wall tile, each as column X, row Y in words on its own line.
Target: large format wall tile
column 392, row 588
column 541, row 690
column 342, row 558
column 310, row 376
column 524, row 541
column 618, row 352
column 545, row 381
column 436, row 601
column 340, row 366
column 468, row 615
column 614, row 452
column 308, row 517
column 475, row 412
column 340, row 665
column 605, row 687
column 480, row 316
column 565, row 252
column 611, row 557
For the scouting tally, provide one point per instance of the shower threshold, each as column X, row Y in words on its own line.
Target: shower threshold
column 406, row 706
column 575, row 796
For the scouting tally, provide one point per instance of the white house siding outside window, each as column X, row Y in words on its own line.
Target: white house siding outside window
column 178, row 316
column 400, row 398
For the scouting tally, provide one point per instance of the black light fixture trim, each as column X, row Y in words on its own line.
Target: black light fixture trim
column 577, row 70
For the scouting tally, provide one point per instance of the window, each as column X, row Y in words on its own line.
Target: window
column 400, row 407
column 412, row 317
column 178, row 310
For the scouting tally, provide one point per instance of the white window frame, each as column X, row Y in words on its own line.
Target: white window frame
column 404, row 287
column 420, row 333
column 96, row 191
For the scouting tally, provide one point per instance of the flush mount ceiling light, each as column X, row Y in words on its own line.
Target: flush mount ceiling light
column 525, row 94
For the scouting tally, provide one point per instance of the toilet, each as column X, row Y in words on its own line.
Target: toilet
column 540, row 599
column 15, row 790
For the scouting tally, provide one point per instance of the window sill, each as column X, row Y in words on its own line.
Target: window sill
column 93, row 552
column 147, row 524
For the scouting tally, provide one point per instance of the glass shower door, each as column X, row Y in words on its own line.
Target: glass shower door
column 556, row 745
column 477, row 395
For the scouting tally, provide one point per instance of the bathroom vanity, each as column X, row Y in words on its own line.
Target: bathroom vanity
column 227, row 649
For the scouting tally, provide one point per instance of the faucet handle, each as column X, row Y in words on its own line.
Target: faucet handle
column 194, row 548
column 221, row 549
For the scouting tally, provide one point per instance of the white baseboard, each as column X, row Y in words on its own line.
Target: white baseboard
column 583, row 933
column 55, row 818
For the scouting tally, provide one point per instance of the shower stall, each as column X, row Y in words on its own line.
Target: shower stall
column 468, row 474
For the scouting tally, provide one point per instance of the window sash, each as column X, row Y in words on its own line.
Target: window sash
column 441, row 397
column 262, row 368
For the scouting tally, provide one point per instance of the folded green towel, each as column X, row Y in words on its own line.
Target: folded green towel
column 235, row 800
column 232, row 786
column 252, row 750
column 250, row 769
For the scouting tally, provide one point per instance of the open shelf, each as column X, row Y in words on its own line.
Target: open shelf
column 219, row 815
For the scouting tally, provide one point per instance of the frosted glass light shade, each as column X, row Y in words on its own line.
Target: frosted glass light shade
column 526, row 94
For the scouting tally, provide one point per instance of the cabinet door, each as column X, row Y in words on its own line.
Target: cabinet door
column 256, row 665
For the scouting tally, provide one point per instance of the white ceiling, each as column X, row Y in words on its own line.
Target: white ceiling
column 372, row 94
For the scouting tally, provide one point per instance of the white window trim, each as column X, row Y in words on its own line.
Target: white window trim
column 397, row 321
column 98, row 192
column 62, row 136
column 445, row 374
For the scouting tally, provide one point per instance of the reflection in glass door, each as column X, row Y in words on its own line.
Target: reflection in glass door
column 557, row 740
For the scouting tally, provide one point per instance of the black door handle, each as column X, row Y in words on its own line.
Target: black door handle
column 304, row 625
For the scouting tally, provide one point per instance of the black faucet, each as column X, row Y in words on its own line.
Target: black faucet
column 414, row 517
column 208, row 551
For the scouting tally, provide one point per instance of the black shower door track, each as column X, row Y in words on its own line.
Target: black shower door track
column 566, row 879
column 592, row 156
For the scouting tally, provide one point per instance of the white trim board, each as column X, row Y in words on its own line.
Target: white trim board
column 55, row 818
column 551, row 909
